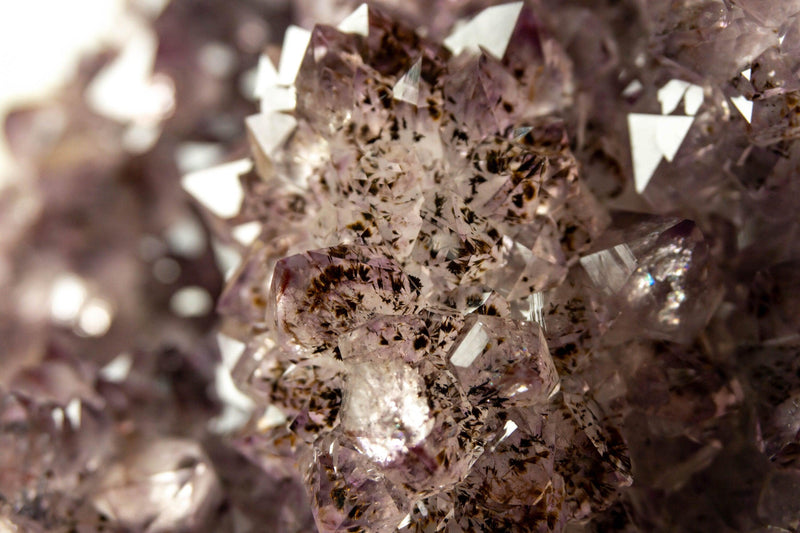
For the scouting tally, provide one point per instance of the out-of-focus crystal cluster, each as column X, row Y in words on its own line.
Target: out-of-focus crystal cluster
column 516, row 267
column 110, row 397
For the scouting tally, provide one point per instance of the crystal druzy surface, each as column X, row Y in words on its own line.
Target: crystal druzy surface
column 530, row 267
column 433, row 287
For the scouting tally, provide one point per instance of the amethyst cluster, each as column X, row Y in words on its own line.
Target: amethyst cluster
column 519, row 267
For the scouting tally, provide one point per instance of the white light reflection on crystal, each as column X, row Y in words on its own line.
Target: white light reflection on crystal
column 405, row 522
column 471, row 346
column 246, row 233
column 57, row 414
column 118, row 369
column 67, row 297
column 193, row 156
column 138, row 138
column 230, row 350
column 693, row 99
column 273, row 417
column 127, row 90
column 610, row 269
column 356, row 22
column 73, row 412
column 237, row 406
column 508, row 429
column 537, row 307
column 218, row 188
column 95, row 318
column 190, row 302
column 669, row 314
column 273, row 96
column 653, row 137
column 295, row 42
column 186, row 237
column 270, row 130
column 407, row 87
column 632, row 89
column 491, row 29
column 669, row 96
column 744, row 106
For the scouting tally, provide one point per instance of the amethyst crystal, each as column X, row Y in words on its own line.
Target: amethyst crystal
column 423, row 212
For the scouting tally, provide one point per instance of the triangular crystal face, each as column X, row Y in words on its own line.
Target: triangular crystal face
column 325, row 81
column 519, row 133
column 295, row 42
column 467, row 100
column 491, row 30
column 268, row 132
column 670, row 132
column 270, row 129
column 407, row 87
column 669, row 96
column 744, row 106
column 356, row 22
column 218, row 188
column 644, row 269
column 654, row 137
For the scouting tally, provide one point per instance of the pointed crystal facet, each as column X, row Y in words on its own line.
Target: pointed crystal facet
column 407, row 87
column 744, row 106
column 491, row 29
column 169, row 485
column 659, row 277
column 295, row 42
column 218, row 189
column 654, row 137
column 356, row 22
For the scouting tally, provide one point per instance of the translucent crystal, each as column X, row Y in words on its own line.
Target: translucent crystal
column 168, row 485
column 504, row 360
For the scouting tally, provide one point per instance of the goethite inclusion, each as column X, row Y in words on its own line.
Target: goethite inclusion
column 435, row 303
column 542, row 276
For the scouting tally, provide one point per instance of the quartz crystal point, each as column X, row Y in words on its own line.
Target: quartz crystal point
column 658, row 277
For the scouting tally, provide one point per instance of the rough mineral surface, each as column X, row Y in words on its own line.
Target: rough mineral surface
column 528, row 267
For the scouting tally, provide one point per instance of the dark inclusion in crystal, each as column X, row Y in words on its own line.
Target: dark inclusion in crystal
column 407, row 314
column 455, row 334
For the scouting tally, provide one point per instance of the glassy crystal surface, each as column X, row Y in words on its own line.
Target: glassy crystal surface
column 510, row 267
column 432, row 209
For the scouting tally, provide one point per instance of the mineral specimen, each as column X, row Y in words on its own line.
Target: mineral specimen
column 520, row 267
column 422, row 213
